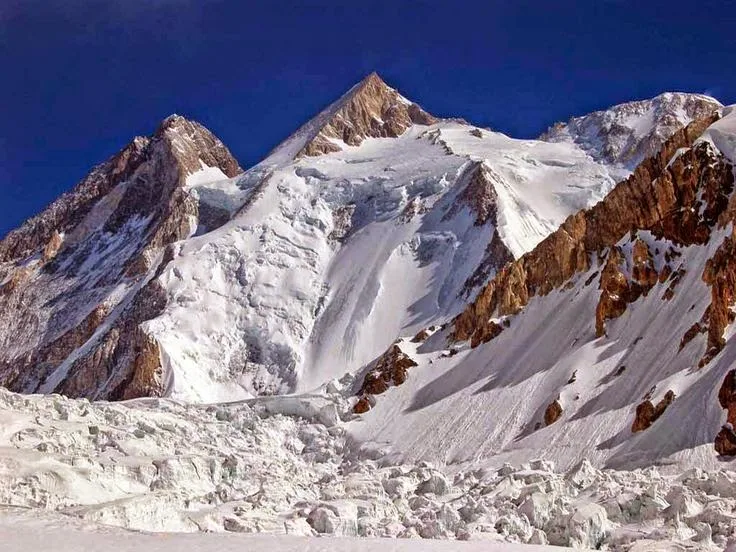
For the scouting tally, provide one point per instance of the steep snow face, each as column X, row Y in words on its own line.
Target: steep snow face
column 626, row 134
column 492, row 403
column 331, row 257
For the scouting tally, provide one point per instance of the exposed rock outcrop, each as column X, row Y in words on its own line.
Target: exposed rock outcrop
column 478, row 195
column 676, row 199
column 720, row 275
column 389, row 369
column 623, row 281
column 495, row 257
column 371, row 109
column 552, row 413
column 725, row 442
column 647, row 413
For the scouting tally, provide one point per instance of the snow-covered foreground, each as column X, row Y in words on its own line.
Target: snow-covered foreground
column 26, row 531
column 158, row 465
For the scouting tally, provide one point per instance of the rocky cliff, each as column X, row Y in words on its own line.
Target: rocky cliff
column 678, row 199
column 78, row 279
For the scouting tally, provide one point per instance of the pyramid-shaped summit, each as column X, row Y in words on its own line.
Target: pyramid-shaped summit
column 370, row 109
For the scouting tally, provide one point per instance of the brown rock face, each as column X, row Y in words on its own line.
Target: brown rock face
column 720, row 275
column 647, row 413
column 389, row 369
column 552, row 413
column 495, row 257
column 362, row 406
column 52, row 247
column 489, row 331
column 70, row 209
column 727, row 396
column 479, row 195
column 420, row 337
column 370, row 110
column 65, row 330
column 659, row 196
column 725, row 442
column 618, row 290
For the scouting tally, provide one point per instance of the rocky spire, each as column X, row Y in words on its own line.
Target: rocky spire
column 370, row 109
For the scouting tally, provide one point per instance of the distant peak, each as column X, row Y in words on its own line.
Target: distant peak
column 625, row 134
column 375, row 79
column 371, row 85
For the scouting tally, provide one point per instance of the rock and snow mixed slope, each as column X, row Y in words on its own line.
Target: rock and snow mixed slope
column 159, row 274
column 610, row 340
column 626, row 134
column 77, row 280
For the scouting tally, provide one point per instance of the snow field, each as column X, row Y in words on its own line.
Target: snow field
column 158, row 465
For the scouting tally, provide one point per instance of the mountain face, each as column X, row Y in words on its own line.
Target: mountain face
column 447, row 269
column 79, row 278
column 626, row 134
column 615, row 329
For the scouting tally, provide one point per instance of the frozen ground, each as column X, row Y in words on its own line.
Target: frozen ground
column 158, row 465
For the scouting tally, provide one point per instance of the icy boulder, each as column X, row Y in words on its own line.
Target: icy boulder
column 436, row 484
column 536, row 507
column 339, row 518
column 588, row 526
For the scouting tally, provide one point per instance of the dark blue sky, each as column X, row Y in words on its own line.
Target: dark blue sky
column 80, row 78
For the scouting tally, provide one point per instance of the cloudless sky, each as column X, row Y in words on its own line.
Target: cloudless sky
column 80, row 78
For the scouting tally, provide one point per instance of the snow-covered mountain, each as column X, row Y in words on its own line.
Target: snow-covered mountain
column 626, row 134
column 396, row 305
column 166, row 272
column 615, row 330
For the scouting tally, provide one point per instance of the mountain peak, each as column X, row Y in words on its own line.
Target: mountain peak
column 172, row 120
column 192, row 145
column 627, row 133
column 369, row 109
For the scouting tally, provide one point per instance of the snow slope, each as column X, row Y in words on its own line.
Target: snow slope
column 336, row 255
column 487, row 404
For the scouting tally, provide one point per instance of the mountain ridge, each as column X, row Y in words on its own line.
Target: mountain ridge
column 228, row 284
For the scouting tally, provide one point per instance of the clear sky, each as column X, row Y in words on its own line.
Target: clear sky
column 80, row 78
